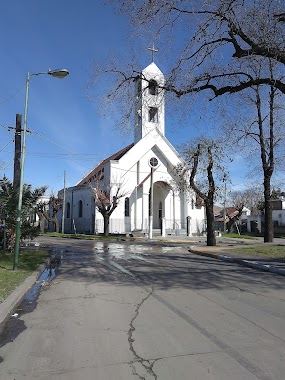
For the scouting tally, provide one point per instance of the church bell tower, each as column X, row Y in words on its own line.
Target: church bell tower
column 149, row 98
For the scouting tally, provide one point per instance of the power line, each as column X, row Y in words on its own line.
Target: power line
column 12, row 96
column 7, row 128
column 7, row 144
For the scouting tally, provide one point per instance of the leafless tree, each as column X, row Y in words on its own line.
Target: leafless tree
column 218, row 34
column 49, row 211
column 107, row 199
column 249, row 198
column 201, row 170
column 260, row 129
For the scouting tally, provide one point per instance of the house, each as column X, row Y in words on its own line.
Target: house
column 232, row 214
column 142, row 168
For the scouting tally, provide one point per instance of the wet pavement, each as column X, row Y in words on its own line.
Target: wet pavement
column 127, row 310
column 15, row 325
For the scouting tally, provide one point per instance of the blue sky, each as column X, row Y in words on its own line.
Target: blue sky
column 68, row 132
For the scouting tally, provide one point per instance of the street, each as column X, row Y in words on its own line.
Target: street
column 123, row 310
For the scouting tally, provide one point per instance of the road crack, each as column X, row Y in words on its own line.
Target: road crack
column 146, row 364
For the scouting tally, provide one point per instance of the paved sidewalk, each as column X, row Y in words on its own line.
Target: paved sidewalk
column 222, row 252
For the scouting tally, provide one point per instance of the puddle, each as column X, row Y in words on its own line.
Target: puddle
column 14, row 325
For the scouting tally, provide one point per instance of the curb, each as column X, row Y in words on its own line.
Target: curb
column 15, row 298
column 246, row 263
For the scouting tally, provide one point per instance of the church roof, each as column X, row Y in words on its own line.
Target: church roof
column 97, row 171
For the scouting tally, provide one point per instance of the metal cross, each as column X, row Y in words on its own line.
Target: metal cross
column 153, row 50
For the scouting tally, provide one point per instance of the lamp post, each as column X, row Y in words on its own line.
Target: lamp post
column 58, row 73
column 225, row 200
column 153, row 162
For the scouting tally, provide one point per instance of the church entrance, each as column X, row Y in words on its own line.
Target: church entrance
column 160, row 192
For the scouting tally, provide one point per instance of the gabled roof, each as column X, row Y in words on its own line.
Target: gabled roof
column 93, row 174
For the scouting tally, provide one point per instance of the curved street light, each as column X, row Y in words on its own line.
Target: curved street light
column 57, row 73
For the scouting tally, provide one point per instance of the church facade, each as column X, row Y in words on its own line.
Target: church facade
column 144, row 172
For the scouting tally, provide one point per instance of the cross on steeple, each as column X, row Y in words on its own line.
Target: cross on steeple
column 153, row 50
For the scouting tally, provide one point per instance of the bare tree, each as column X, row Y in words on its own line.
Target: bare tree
column 107, row 199
column 219, row 34
column 49, row 211
column 249, row 198
column 203, row 166
column 260, row 130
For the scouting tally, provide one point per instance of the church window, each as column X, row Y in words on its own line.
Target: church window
column 127, row 206
column 153, row 115
column 80, row 209
column 192, row 204
column 152, row 87
column 68, row 210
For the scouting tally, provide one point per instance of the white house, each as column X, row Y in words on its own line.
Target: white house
column 144, row 166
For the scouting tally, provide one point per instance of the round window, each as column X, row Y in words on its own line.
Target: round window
column 153, row 162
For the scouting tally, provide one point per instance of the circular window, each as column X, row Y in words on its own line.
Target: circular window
column 153, row 162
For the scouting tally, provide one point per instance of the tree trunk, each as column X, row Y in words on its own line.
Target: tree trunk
column 211, row 238
column 106, row 225
column 268, row 223
column 55, row 224
column 42, row 222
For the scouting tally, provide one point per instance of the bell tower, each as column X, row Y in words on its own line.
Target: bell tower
column 149, row 98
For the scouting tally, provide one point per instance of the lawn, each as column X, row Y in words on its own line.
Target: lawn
column 83, row 236
column 263, row 251
column 29, row 260
column 237, row 236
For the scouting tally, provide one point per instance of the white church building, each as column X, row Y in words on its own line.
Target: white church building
column 142, row 168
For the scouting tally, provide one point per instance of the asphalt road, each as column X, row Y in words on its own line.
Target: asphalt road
column 140, row 311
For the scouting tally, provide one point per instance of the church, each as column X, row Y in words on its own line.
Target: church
column 144, row 172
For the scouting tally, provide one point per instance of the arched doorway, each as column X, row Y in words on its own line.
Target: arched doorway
column 161, row 190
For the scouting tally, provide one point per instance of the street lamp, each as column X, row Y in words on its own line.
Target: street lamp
column 58, row 73
column 153, row 162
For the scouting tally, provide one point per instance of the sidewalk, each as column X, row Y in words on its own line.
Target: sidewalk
column 223, row 253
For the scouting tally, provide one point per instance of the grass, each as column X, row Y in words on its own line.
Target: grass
column 29, row 260
column 82, row 236
column 263, row 251
column 237, row 236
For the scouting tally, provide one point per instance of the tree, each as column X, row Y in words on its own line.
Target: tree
column 218, row 34
column 203, row 160
column 107, row 199
column 277, row 193
column 48, row 211
column 8, row 209
column 249, row 198
column 261, row 127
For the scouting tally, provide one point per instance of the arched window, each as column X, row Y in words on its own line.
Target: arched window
column 80, row 209
column 68, row 210
column 127, row 206
column 152, row 87
column 153, row 115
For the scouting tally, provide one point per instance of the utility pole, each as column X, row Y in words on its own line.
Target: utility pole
column 63, row 205
column 17, row 154
column 225, row 200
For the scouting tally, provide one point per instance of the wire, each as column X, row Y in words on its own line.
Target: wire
column 7, row 144
column 62, row 156
column 12, row 96
column 7, row 128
